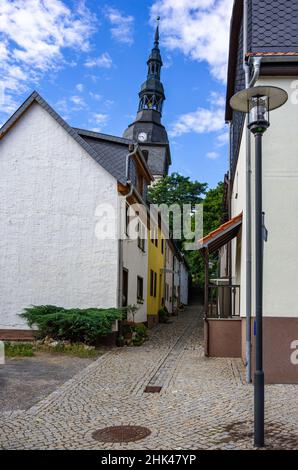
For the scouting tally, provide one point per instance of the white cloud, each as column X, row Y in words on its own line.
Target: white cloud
column 33, row 36
column 109, row 103
column 217, row 99
column 80, row 87
column 62, row 107
column 198, row 28
column 167, row 61
column 78, row 101
column 203, row 120
column 222, row 139
column 95, row 96
column 100, row 119
column 104, row 61
column 212, row 155
column 96, row 129
column 121, row 25
column 7, row 103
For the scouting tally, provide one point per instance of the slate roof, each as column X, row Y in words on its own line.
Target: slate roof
column 107, row 137
column 111, row 155
column 272, row 33
column 112, row 151
column 108, row 151
column 274, row 25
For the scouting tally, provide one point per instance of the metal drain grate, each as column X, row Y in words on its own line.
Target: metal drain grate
column 121, row 434
column 153, row 389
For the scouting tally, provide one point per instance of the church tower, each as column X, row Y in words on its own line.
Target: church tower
column 147, row 129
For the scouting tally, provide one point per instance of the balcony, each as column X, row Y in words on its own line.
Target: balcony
column 223, row 324
column 223, row 299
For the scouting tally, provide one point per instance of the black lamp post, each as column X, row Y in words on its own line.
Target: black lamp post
column 257, row 102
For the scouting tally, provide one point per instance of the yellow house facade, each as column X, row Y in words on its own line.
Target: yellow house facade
column 156, row 281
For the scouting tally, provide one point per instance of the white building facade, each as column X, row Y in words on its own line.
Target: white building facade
column 57, row 184
column 135, row 269
column 277, row 56
column 50, row 189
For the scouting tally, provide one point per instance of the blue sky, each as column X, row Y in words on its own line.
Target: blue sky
column 88, row 60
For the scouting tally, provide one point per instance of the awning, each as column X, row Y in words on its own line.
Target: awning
column 222, row 235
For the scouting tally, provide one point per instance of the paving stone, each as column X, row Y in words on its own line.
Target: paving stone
column 204, row 403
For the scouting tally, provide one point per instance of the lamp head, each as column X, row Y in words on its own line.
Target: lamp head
column 257, row 102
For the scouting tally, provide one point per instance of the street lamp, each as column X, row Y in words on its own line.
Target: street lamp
column 257, row 102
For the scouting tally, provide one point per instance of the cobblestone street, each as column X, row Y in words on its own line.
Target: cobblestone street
column 203, row 404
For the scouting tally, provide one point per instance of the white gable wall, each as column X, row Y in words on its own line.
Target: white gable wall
column 49, row 190
column 280, row 202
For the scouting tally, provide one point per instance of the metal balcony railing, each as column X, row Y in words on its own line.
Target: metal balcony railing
column 223, row 301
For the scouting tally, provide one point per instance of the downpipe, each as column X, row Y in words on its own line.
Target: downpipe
column 249, row 83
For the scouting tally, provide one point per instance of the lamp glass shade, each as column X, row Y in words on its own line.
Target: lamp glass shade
column 258, row 112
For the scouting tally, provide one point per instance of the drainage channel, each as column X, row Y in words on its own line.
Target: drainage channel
column 167, row 367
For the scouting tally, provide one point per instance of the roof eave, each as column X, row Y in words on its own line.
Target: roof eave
column 221, row 233
column 232, row 60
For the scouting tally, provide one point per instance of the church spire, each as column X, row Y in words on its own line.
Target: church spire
column 152, row 92
column 147, row 128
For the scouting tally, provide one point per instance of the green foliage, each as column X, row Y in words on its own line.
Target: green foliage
column 176, row 189
column 140, row 334
column 70, row 349
column 163, row 316
column 213, row 216
column 120, row 341
column 213, row 208
column 74, row 325
column 18, row 349
column 141, row 330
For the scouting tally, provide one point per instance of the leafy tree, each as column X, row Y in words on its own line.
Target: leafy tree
column 213, row 208
column 213, row 217
column 179, row 189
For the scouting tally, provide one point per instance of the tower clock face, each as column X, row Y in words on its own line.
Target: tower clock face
column 142, row 137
